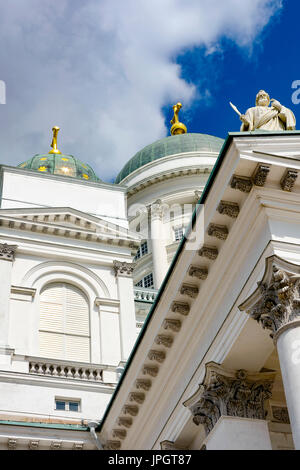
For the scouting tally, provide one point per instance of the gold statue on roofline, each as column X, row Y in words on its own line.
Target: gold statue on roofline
column 177, row 127
column 55, row 130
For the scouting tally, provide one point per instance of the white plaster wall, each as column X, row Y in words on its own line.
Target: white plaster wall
column 22, row 188
column 39, row 399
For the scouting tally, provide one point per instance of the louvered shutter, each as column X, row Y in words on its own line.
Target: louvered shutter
column 64, row 331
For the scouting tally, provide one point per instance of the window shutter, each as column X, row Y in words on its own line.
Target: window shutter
column 64, row 331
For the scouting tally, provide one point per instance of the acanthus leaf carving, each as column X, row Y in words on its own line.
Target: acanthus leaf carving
column 171, row 324
column 260, row 174
column 143, row 384
column 229, row 208
column 218, row 231
column 198, row 271
column 230, row 393
column 242, row 183
column 180, row 307
column 189, row 290
column 288, row 180
column 210, row 252
column 158, row 356
column 164, row 340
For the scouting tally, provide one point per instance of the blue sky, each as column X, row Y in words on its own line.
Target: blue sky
column 272, row 63
column 108, row 71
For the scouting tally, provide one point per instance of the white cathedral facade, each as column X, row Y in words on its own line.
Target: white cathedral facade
column 119, row 332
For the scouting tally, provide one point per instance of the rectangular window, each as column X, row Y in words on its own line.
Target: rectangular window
column 178, row 233
column 148, row 281
column 67, row 405
column 143, row 250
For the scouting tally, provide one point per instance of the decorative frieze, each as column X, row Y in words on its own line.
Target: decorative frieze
column 7, row 252
column 121, row 268
column 210, row 252
column 180, row 307
column 199, row 272
column 122, row 421
column 218, row 231
column 119, row 433
column 189, row 290
column 171, row 324
column 158, row 356
column 131, row 410
column 229, row 208
column 276, row 301
column 143, row 384
column 164, row 340
column 230, row 393
column 150, row 370
column 260, row 174
column 242, row 183
column 138, row 397
column 288, row 180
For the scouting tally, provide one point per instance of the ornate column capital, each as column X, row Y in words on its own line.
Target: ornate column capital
column 7, row 252
column 121, row 268
column 230, row 393
column 275, row 304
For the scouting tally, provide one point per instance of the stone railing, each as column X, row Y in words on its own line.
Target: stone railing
column 144, row 295
column 66, row 369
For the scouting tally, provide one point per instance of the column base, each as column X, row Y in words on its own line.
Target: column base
column 233, row 433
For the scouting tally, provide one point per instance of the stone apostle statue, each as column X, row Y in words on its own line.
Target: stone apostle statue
column 265, row 117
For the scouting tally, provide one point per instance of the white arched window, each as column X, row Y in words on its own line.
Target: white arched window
column 64, row 331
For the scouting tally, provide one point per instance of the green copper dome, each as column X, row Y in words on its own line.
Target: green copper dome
column 58, row 164
column 170, row 146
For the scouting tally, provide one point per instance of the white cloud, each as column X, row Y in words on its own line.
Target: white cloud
column 103, row 69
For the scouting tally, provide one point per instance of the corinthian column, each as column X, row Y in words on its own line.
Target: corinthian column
column 159, row 254
column 230, row 404
column 123, row 273
column 276, row 306
column 7, row 256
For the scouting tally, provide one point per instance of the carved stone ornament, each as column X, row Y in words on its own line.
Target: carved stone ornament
column 173, row 325
column 218, row 231
column 157, row 209
column 276, row 301
column 164, row 340
column 34, row 444
column 122, row 421
column 112, row 445
column 280, row 414
column 138, row 397
column 7, row 252
column 210, row 252
column 143, row 384
column 229, row 208
column 189, row 290
column 131, row 410
column 180, row 307
column 158, row 356
column 119, row 433
column 121, row 268
column 260, row 174
column 167, row 445
column 288, row 180
column 55, row 445
column 230, row 393
column 78, row 446
column 12, row 444
column 197, row 195
column 242, row 183
column 150, row 370
column 199, row 272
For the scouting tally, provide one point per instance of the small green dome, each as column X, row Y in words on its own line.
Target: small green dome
column 171, row 145
column 58, row 164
